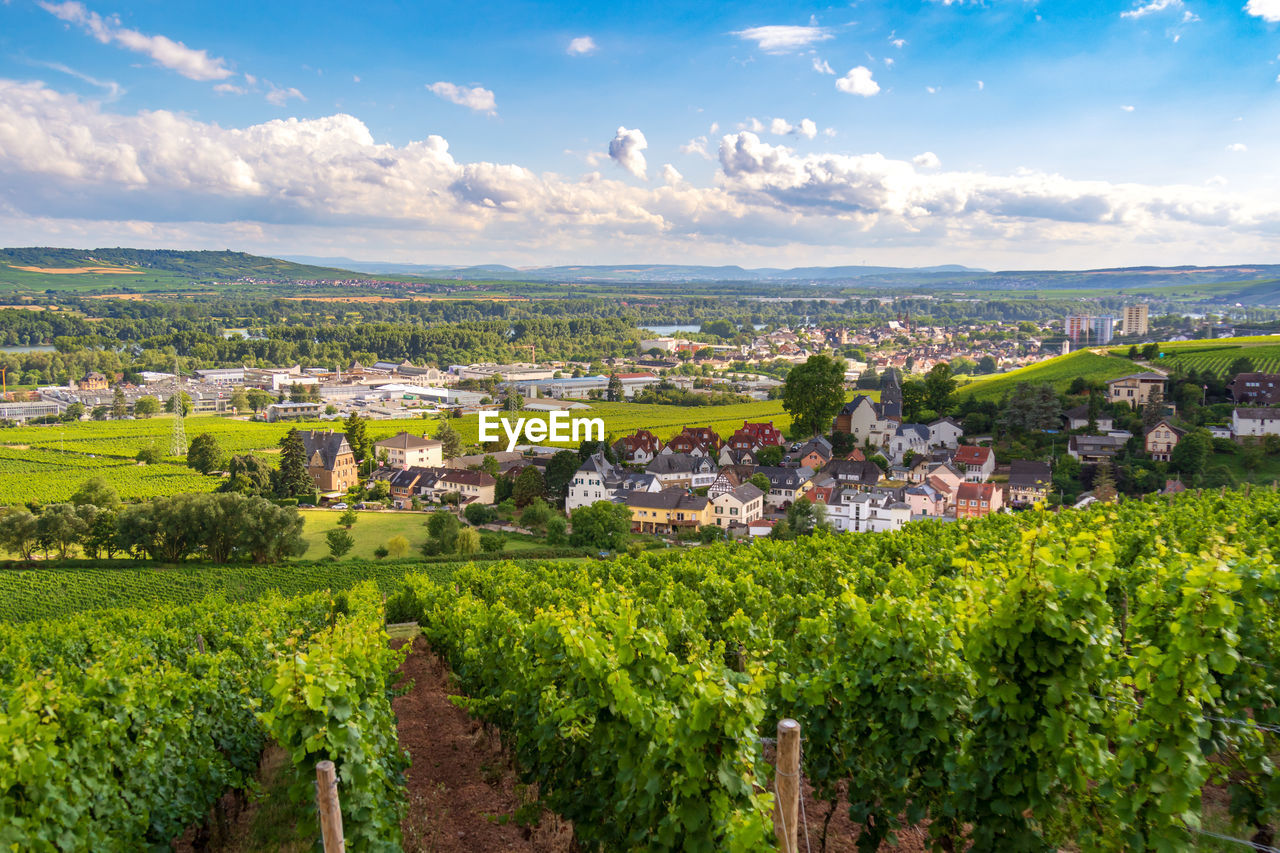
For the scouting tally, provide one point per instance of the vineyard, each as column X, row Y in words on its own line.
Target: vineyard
column 123, row 728
column 73, row 453
column 56, row 593
column 1059, row 372
column 1218, row 360
column 1025, row 682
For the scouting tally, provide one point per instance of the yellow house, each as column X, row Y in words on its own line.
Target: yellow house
column 1135, row 390
column 1162, row 439
column 667, row 511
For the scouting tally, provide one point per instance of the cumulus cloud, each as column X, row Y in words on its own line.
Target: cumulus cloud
column 1127, row 107
column 784, row 39
column 627, row 150
column 806, row 128
column 927, row 160
column 280, row 95
column 1237, row 147
column 581, row 46
column 174, row 55
column 698, row 146
column 1267, row 10
column 474, row 98
column 858, row 82
column 822, row 66
column 1151, row 8
column 81, row 173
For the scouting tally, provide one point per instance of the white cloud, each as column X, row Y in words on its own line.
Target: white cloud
column 899, row 43
column 981, row 85
column 355, row 78
column 1127, row 107
column 581, row 46
column 174, row 55
column 932, row 90
column 475, row 98
column 781, row 127
column 822, row 66
column 280, row 96
column 829, row 131
column 230, row 89
column 888, row 62
column 715, row 127
column 784, row 39
column 1267, row 10
column 671, row 175
column 698, row 146
column 110, row 88
column 1151, row 8
column 1237, row 147
column 858, row 82
column 927, row 160
column 626, row 149
column 79, row 174
column 752, row 124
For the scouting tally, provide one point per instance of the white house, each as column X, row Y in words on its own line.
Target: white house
column 978, row 463
column 945, row 432
column 404, row 450
column 850, row 511
column 741, row 506
column 594, row 481
column 1245, row 422
column 913, row 437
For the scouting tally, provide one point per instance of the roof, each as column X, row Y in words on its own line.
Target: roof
column 864, row 471
column 783, row 477
column 970, row 454
column 327, row 444
column 946, row 420
column 1165, row 423
column 666, row 499
column 674, row 463
column 1256, row 414
column 467, row 477
column 407, row 441
column 1141, row 377
column 1028, row 473
column 975, row 491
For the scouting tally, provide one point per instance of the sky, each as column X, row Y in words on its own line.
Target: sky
column 1002, row 134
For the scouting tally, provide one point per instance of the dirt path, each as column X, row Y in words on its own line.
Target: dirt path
column 463, row 795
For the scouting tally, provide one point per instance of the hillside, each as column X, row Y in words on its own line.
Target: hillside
column 194, row 264
column 1058, row 371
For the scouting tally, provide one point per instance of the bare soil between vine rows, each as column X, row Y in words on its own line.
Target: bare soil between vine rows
column 464, row 793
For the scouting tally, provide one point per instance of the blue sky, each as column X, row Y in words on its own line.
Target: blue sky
column 999, row 134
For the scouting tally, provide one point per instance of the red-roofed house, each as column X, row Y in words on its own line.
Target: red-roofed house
column 978, row 463
column 639, row 448
column 765, row 434
column 976, row 500
column 696, row 441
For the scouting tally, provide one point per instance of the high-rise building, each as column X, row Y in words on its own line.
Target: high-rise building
column 1086, row 329
column 1135, row 320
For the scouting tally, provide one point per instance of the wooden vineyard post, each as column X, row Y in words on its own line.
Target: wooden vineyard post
column 786, row 804
column 330, row 812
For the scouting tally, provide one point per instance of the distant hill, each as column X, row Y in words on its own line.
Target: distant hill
column 630, row 272
column 197, row 265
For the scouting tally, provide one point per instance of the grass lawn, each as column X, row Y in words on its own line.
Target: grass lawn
column 1058, row 372
column 374, row 528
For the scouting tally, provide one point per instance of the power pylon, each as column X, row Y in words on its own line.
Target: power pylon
column 178, row 443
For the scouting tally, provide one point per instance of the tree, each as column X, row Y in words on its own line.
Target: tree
column 100, row 538
column 536, row 514
column 468, row 541
column 145, row 407
column 74, row 412
column 603, row 525
column 513, row 402
column 986, row 364
column 339, row 542
column 709, row 533
column 615, row 392
column 489, row 465
column 804, row 516
column 769, row 456
column 1243, row 364
column 761, row 482
column 119, row 405
column 249, row 475
column 478, row 514
column 560, row 471
column 1031, row 408
column 397, row 546
column 297, row 393
column 814, row 393
column 357, row 436
column 171, row 404
column 1191, row 455
column 59, row 527
column 240, row 400
column 1104, row 483
column 939, row 386
column 259, row 399
column 18, row 532
column 149, row 455
column 1153, row 411
column 348, row 518
column 868, row 380
column 291, row 479
column 96, row 492
column 529, row 487
column 204, row 454
column 1150, row 352
column 555, row 527
column 449, row 437
column 442, row 527
column 492, row 543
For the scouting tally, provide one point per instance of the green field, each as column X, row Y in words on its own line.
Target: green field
column 375, row 528
column 48, row 463
column 1059, row 372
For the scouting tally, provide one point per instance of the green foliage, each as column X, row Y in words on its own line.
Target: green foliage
column 331, row 701
column 813, row 394
column 340, row 542
column 604, row 525
column 443, row 527
column 292, row 479
column 536, row 514
column 204, row 454
column 450, row 439
column 348, row 518
column 529, row 487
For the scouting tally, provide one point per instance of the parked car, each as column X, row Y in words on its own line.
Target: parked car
column 306, row 506
column 340, row 506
